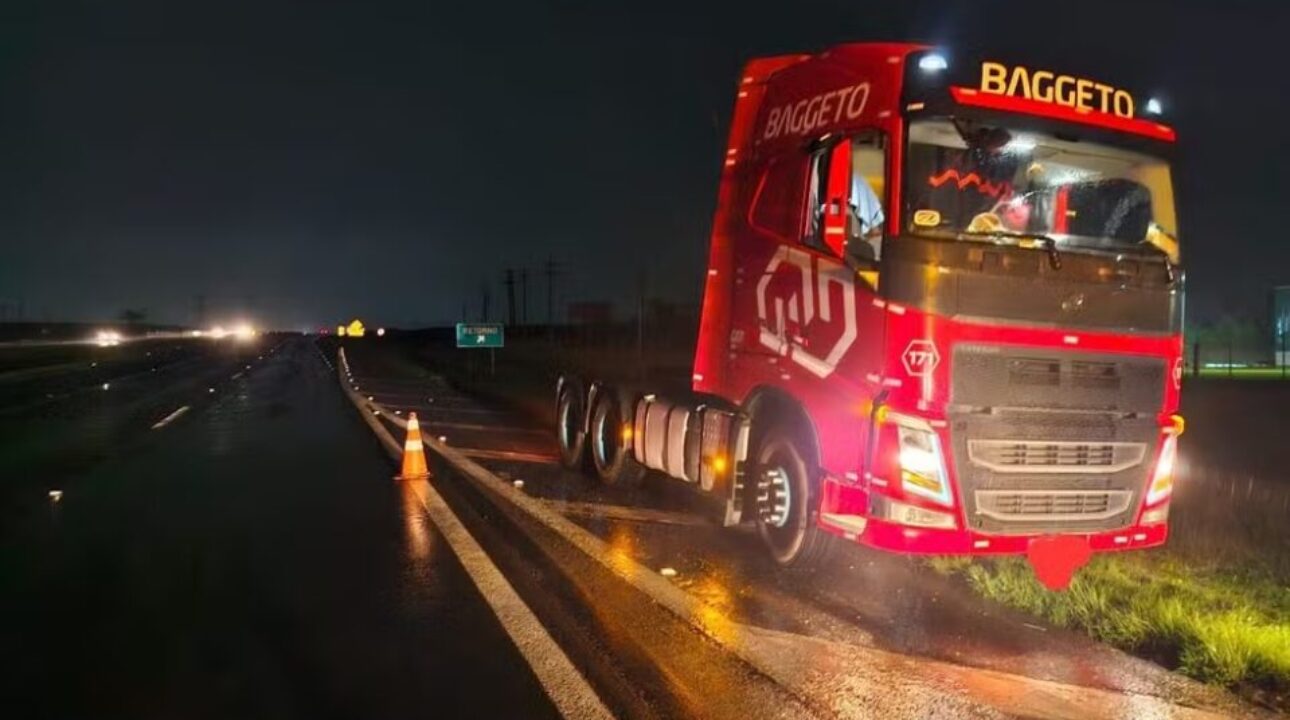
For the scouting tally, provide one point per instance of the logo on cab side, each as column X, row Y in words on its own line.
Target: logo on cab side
column 800, row 304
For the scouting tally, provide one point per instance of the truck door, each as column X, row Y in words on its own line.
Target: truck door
column 844, row 330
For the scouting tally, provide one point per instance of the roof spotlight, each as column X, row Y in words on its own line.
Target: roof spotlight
column 932, row 62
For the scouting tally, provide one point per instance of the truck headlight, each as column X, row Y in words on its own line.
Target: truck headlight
column 922, row 465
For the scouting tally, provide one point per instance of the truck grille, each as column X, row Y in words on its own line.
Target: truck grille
column 1019, row 456
column 1050, row 505
column 1048, row 440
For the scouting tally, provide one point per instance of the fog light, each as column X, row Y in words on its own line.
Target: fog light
column 1156, row 516
column 906, row 514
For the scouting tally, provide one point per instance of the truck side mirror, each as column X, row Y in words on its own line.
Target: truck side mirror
column 837, row 189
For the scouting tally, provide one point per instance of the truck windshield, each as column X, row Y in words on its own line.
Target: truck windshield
column 966, row 179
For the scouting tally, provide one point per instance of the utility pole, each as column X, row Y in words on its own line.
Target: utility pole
column 199, row 310
column 551, row 272
column 1284, row 332
column 483, row 301
column 510, row 296
column 640, row 325
column 524, row 296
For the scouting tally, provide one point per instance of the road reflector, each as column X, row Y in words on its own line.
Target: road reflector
column 55, row 495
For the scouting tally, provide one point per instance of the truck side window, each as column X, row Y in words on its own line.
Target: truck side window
column 827, row 197
column 845, row 190
column 777, row 202
column 868, row 183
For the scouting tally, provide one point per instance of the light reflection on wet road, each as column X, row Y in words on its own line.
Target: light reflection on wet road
column 253, row 559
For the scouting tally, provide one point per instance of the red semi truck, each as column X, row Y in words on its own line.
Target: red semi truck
column 942, row 314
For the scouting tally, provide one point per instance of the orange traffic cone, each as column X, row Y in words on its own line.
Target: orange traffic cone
column 414, row 454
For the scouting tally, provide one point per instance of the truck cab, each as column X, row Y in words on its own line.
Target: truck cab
column 962, row 281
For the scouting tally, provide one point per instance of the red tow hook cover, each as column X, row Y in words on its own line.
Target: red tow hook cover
column 1055, row 559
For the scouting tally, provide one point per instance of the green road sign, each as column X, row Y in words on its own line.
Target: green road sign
column 481, row 335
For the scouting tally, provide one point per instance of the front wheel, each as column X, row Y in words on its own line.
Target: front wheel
column 786, row 501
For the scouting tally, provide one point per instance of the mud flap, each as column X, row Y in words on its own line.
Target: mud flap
column 1056, row 558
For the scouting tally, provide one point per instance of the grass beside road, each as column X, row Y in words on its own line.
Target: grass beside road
column 1246, row 373
column 1230, row 627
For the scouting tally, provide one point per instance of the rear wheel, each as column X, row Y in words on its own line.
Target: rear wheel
column 787, row 501
column 611, row 445
column 570, row 421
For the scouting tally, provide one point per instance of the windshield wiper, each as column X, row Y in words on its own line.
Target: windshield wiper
column 1049, row 244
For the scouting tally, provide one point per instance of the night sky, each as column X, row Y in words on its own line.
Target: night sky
column 308, row 162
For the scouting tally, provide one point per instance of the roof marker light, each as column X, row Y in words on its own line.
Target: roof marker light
column 1153, row 106
column 932, row 62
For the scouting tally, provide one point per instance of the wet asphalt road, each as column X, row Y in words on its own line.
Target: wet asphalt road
column 253, row 558
column 250, row 559
column 862, row 598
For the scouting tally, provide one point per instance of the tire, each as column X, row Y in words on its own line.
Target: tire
column 570, row 424
column 786, row 500
column 611, row 453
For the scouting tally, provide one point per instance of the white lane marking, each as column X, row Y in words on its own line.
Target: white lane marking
column 170, row 418
column 566, row 687
column 569, row 691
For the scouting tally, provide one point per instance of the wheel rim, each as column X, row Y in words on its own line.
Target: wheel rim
column 566, row 422
column 606, row 447
column 781, row 520
column 778, row 498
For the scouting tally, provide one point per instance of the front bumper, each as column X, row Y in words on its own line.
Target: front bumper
column 898, row 538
